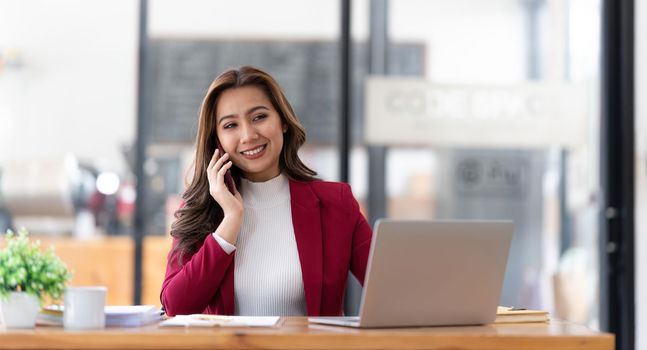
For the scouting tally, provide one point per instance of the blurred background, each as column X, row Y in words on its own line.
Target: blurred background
column 462, row 109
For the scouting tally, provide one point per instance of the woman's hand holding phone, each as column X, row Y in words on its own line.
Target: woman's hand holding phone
column 231, row 203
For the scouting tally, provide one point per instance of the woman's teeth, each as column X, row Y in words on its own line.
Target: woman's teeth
column 254, row 151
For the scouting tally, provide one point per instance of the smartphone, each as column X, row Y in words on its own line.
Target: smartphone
column 229, row 179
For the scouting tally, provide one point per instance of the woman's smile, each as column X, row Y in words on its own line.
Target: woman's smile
column 254, row 153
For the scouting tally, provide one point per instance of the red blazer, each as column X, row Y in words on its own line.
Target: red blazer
column 332, row 238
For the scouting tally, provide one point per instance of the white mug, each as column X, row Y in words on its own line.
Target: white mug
column 84, row 308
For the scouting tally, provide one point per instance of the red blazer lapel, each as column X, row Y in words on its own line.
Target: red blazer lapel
column 306, row 219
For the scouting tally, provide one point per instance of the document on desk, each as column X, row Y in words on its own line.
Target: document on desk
column 132, row 315
column 201, row 320
column 519, row 315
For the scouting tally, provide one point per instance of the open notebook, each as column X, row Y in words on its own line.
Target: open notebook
column 200, row 320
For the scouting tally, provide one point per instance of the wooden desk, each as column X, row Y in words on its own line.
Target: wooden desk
column 295, row 333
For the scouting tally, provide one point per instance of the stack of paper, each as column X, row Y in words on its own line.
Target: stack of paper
column 51, row 315
column 116, row 316
column 132, row 315
column 515, row 315
column 199, row 320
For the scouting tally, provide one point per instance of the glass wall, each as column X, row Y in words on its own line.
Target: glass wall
column 67, row 97
column 483, row 64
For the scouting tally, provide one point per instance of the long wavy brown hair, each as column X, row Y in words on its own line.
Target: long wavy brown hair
column 200, row 215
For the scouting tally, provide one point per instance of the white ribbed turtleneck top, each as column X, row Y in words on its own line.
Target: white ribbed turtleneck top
column 267, row 272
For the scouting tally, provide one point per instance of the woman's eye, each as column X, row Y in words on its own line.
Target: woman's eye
column 260, row 116
column 229, row 126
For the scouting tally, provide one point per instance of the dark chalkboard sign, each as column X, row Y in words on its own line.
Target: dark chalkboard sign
column 308, row 72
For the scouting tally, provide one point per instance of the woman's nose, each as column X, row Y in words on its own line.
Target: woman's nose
column 248, row 133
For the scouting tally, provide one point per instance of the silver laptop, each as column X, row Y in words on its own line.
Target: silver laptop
column 432, row 273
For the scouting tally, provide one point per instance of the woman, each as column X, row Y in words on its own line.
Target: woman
column 284, row 243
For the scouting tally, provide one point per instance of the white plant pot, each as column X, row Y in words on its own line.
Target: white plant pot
column 20, row 310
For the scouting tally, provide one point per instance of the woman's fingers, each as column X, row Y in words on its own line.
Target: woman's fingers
column 223, row 171
column 215, row 166
column 222, row 160
column 217, row 160
column 217, row 181
column 216, row 170
column 214, row 157
column 224, row 168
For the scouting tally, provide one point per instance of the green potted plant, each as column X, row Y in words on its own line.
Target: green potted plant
column 27, row 275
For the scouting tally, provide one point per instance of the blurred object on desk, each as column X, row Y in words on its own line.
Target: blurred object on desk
column 37, row 193
column 40, row 187
column 61, row 195
column 574, row 286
